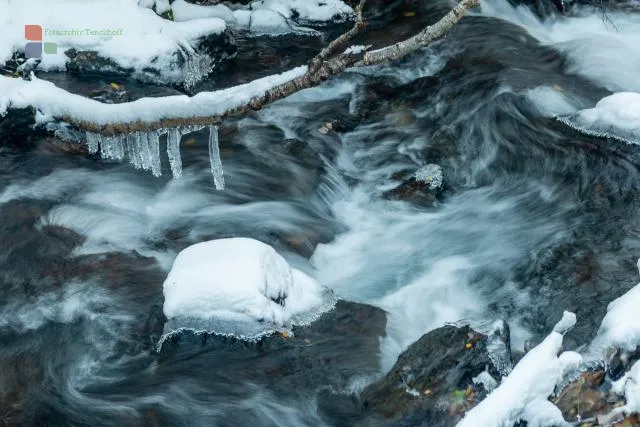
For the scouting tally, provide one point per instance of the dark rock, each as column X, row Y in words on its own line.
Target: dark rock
column 421, row 188
column 17, row 128
column 432, row 381
column 341, row 344
column 215, row 47
column 620, row 361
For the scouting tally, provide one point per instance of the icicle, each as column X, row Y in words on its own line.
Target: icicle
column 173, row 152
column 214, row 157
column 118, row 147
column 145, row 152
column 106, row 147
column 93, row 142
column 133, row 150
column 154, row 151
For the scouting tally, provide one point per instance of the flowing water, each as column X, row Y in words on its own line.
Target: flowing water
column 535, row 219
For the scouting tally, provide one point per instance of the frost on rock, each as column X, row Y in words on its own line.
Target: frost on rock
column 214, row 157
column 173, row 152
column 523, row 394
column 616, row 116
column 430, row 174
column 239, row 287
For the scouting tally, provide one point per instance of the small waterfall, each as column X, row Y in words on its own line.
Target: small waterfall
column 142, row 150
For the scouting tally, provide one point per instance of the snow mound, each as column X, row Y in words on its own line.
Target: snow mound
column 523, row 394
column 621, row 325
column 239, row 287
column 132, row 37
column 616, row 116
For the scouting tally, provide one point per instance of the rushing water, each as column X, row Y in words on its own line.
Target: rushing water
column 535, row 219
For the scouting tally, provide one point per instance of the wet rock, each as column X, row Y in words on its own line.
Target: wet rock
column 341, row 344
column 584, row 398
column 212, row 50
column 432, row 383
column 421, row 188
column 620, row 361
column 17, row 128
column 113, row 93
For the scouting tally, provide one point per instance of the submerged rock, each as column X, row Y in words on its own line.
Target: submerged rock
column 434, row 381
column 341, row 344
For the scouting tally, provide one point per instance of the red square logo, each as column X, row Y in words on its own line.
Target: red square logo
column 33, row 32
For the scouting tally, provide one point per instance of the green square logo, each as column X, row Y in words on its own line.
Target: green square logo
column 50, row 48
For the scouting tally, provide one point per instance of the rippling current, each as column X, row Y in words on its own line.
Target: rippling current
column 535, row 219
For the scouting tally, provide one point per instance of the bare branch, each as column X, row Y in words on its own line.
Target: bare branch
column 340, row 42
column 327, row 63
column 423, row 38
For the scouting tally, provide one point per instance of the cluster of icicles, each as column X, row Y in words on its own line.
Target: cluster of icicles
column 142, row 149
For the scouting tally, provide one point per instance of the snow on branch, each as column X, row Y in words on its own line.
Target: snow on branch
column 210, row 108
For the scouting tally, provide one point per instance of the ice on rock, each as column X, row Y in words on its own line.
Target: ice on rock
column 615, row 116
column 430, row 174
column 173, row 152
column 214, row 157
column 523, row 394
column 240, row 287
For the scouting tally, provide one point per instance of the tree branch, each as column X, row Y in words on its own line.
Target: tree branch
column 341, row 41
column 423, row 38
column 327, row 63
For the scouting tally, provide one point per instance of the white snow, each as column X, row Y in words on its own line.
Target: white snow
column 523, row 394
column 621, row 325
column 629, row 386
column 266, row 16
column 616, row 116
column 239, row 286
column 355, row 49
column 56, row 102
column 143, row 39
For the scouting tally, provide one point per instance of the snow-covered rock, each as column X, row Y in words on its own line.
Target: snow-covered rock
column 621, row 325
column 241, row 287
column 615, row 116
column 523, row 394
column 120, row 32
column 267, row 16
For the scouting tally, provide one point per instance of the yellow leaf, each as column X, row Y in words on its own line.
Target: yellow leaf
column 409, row 14
column 468, row 345
column 115, row 86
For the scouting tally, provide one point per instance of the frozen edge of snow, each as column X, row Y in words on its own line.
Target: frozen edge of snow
column 302, row 321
